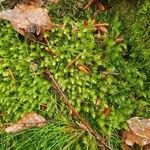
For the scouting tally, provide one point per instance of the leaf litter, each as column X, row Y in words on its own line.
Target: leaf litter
column 96, row 3
column 28, row 121
column 29, row 19
column 138, row 133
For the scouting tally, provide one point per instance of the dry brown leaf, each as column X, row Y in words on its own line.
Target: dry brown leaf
column 96, row 3
column 28, row 121
column 119, row 39
column 38, row 3
column 106, row 112
column 130, row 139
column 139, row 132
column 140, row 126
column 99, row 27
column 84, row 69
column 29, row 20
column 101, row 24
column 103, row 29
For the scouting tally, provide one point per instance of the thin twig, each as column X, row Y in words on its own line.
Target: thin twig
column 74, row 60
column 99, row 139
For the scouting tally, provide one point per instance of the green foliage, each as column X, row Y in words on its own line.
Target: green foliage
column 56, row 135
column 125, row 89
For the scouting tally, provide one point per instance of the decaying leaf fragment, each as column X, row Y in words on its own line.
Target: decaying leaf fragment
column 139, row 132
column 100, row 27
column 38, row 3
column 28, row 121
column 119, row 39
column 29, row 19
column 106, row 111
column 97, row 3
column 141, row 127
column 84, row 69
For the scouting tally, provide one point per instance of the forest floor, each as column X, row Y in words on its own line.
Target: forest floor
column 100, row 59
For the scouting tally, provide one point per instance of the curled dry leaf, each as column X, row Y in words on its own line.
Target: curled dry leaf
column 139, row 132
column 140, row 126
column 28, row 121
column 101, row 24
column 106, row 111
column 100, row 27
column 103, row 29
column 119, row 39
column 29, row 20
column 130, row 139
column 96, row 3
column 84, row 69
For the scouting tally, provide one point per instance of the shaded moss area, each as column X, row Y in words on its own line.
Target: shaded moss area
column 119, row 77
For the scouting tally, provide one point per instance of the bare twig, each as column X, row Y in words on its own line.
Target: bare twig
column 74, row 60
column 100, row 140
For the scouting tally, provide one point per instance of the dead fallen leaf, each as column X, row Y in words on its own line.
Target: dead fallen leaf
column 38, row 3
column 29, row 20
column 140, row 126
column 106, row 111
column 30, row 120
column 84, row 69
column 100, row 27
column 119, row 39
column 96, row 3
column 130, row 139
column 139, row 132
column 100, row 24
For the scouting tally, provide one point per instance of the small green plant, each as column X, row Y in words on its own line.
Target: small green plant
column 118, row 79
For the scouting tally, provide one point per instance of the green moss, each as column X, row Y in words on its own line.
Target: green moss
column 125, row 89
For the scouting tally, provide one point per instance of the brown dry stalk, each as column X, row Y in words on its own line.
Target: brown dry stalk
column 74, row 60
column 100, row 140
